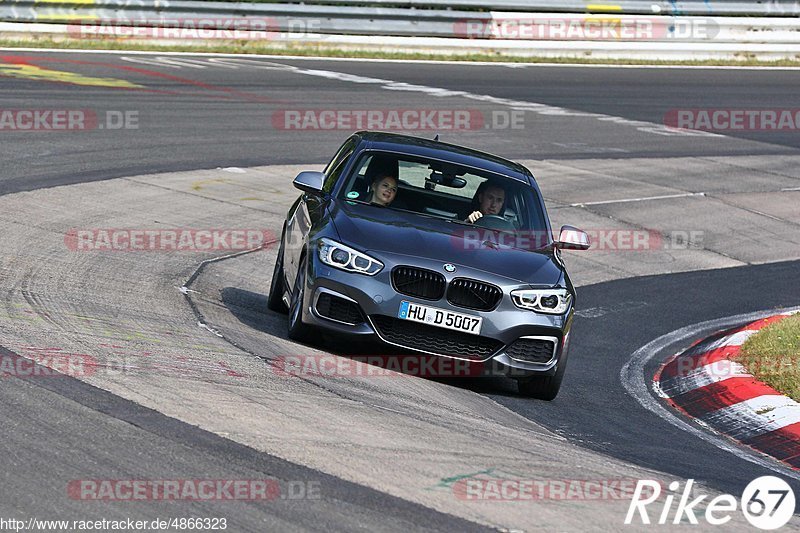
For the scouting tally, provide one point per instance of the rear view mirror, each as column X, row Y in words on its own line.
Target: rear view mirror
column 448, row 180
column 572, row 238
column 309, row 181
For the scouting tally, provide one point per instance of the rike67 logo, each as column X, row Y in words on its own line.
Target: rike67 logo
column 767, row 503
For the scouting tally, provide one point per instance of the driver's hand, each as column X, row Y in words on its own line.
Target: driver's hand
column 475, row 215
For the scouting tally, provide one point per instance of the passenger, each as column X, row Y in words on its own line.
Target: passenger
column 489, row 199
column 384, row 190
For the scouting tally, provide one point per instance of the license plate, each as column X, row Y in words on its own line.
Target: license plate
column 440, row 317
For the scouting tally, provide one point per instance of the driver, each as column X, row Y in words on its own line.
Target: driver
column 490, row 199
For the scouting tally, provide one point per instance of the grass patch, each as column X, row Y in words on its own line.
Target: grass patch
column 773, row 356
column 316, row 50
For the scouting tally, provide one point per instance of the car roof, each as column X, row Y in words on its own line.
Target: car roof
column 407, row 144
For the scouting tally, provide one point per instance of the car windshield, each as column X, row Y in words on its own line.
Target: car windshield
column 443, row 190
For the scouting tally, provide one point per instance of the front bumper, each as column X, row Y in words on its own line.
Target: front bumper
column 377, row 301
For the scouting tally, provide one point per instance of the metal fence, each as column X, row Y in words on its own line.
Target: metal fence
column 461, row 19
column 638, row 7
column 686, row 30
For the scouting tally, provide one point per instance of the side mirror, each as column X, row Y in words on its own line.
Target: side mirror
column 309, row 181
column 572, row 238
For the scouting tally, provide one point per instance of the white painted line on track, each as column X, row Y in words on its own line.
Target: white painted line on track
column 642, row 199
column 510, row 64
column 174, row 63
column 633, row 380
column 535, row 107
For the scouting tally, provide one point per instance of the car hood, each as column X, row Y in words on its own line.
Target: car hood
column 372, row 228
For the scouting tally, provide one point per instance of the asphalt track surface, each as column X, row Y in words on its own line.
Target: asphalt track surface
column 594, row 408
column 59, row 429
column 218, row 117
column 207, row 117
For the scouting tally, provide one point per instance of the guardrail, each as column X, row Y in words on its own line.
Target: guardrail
column 778, row 8
column 383, row 23
column 408, row 22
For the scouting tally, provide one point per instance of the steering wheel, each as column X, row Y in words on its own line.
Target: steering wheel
column 495, row 222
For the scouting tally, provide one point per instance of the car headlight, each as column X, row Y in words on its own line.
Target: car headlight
column 550, row 301
column 343, row 257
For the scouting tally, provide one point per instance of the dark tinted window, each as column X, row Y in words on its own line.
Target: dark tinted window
column 337, row 164
column 442, row 189
column 333, row 177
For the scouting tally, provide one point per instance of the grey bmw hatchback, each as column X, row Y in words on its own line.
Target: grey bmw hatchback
column 432, row 248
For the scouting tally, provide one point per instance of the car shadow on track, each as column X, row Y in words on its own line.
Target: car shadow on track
column 250, row 309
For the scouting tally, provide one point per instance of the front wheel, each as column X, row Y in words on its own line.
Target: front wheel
column 298, row 331
column 543, row 387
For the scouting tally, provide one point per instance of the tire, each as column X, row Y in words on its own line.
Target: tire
column 543, row 387
column 277, row 287
column 298, row 331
